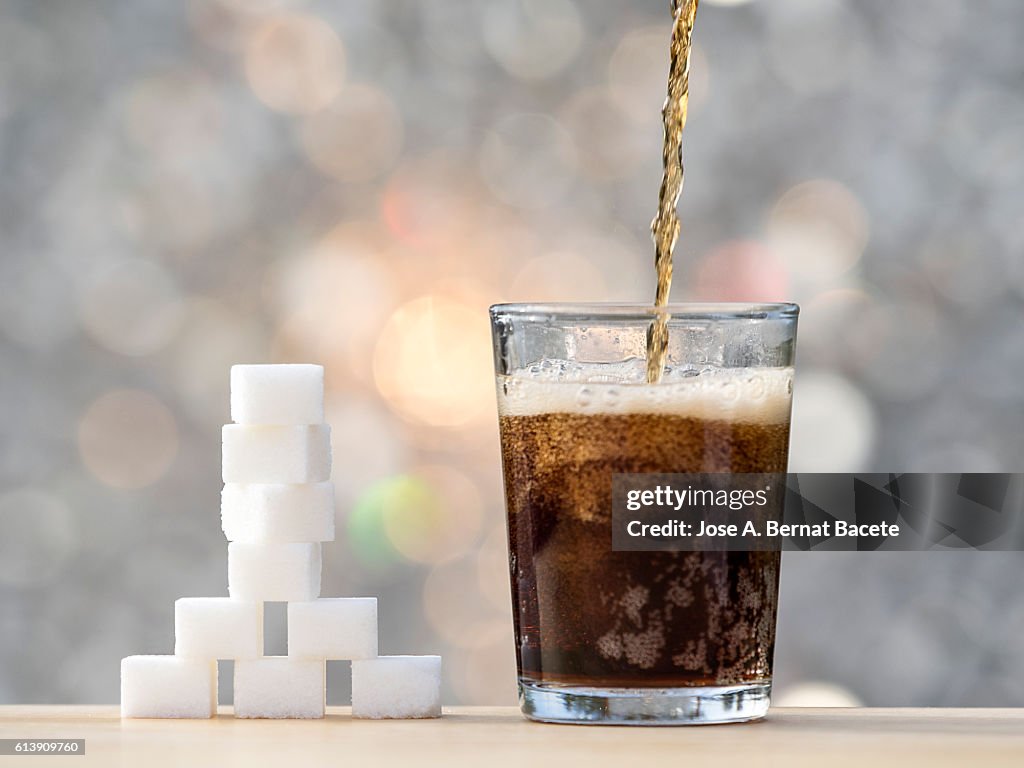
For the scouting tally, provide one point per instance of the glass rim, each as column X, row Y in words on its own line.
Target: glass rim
column 645, row 312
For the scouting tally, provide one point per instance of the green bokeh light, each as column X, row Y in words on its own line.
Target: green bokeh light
column 406, row 498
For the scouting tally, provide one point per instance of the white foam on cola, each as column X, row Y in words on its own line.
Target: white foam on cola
column 751, row 395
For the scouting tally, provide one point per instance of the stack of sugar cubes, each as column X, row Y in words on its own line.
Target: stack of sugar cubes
column 276, row 508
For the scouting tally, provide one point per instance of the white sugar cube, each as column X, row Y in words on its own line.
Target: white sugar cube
column 273, row 572
column 275, row 512
column 277, row 394
column 218, row 628
column 396, row 687
column 276, row 454
column 277, row 686
column 168, row 686
column 337, row 628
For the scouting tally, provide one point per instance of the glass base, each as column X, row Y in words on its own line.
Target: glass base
column 705, row 705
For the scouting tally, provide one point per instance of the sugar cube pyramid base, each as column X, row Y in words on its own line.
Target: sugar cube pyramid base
column 396, row 687
column 280, row 687
column 168, row 686
column 276, row 507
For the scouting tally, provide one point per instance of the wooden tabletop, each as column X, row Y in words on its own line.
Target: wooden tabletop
column 484, row 737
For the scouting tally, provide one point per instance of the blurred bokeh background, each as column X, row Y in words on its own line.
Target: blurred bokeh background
column 187, row 185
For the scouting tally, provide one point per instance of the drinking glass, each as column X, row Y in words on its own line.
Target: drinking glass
column 606, row 636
